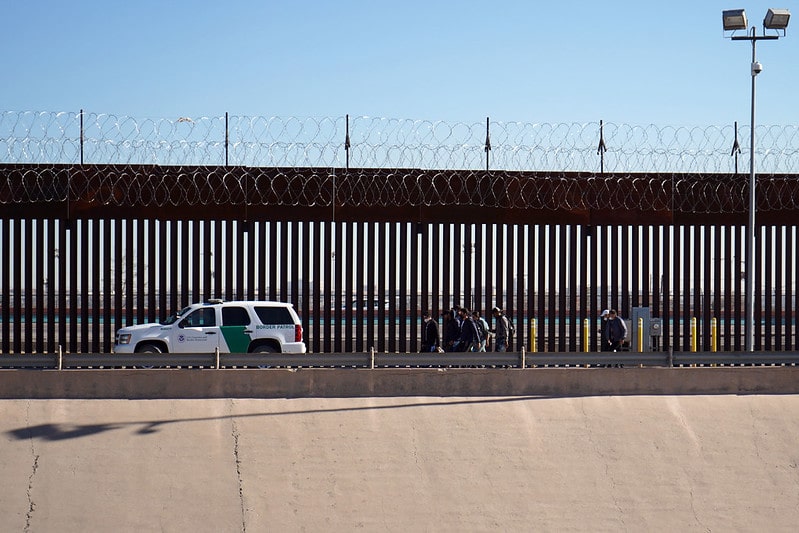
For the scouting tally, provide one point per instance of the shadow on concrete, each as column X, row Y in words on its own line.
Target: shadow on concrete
column 58, row 432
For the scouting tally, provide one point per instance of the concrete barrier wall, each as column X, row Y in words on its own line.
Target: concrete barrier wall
column 337, row 383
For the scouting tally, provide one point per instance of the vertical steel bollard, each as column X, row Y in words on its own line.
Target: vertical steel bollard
column 524, row 358
column 372, row 358
column 60, row 357
column 714, row 332
column 640, row 334
column 533, row 333
column 216, row 354
column 586, row 335
column 693, row 334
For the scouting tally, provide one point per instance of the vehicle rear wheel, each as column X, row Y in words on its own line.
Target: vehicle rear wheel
column 265, row 348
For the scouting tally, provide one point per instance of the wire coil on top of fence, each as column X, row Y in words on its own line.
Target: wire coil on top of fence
column 374, row 142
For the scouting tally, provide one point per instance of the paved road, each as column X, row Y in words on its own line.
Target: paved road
column 636, row 463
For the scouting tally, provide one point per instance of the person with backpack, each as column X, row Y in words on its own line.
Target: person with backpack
column 482, row 329
column 503, row 332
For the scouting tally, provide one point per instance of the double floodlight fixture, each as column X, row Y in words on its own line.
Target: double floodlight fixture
column 735, row 19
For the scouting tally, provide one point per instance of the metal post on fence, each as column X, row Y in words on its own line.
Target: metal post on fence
column 372, row 358
column 524, row 358
column 693, row 334
column 81, row 137
column 488, row 143
column 533, row 333
column 601, row 149
column 60, row 357
column 347, row 143
column 227, row 138
column 216, row 356
column 736, row 148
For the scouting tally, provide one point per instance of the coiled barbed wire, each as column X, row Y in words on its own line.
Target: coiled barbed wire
column 394, row 163
column 173, row 186
column 50, row 137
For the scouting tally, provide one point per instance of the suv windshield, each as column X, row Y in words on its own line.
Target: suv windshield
column 171, row 319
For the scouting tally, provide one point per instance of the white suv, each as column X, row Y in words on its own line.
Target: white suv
column 233, row 327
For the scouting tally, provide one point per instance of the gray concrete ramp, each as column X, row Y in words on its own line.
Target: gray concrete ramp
column 635, row 463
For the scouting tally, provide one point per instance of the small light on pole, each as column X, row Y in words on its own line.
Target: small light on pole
column 733, row 20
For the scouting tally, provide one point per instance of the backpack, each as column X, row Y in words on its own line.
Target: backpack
column 481, row 330
column 511, row 329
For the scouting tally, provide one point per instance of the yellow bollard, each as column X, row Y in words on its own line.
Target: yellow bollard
column 533, row 332
column 640, row 334
column 714, row 332
column 693, row 334
column 586, row 334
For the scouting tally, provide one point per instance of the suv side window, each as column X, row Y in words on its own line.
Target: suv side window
column 235, row 316
column 274, row 315
column 200, row 318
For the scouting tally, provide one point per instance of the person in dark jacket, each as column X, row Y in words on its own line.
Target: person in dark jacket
column 615, row 331
column 603, row 332
column 452, row 330
column 469, row 341
column 502, row 332
column 431, row 338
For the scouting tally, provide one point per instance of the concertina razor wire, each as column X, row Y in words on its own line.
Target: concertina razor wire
column 453, row 156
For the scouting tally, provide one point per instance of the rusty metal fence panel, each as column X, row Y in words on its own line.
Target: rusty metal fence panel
column 363, row 286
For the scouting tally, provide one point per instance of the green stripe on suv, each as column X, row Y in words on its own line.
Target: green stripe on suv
column 237, row 341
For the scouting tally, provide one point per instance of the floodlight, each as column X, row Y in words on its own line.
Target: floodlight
column 777, row 19
column 734, row 19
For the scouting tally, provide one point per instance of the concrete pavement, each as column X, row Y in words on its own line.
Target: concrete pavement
column 632, row 463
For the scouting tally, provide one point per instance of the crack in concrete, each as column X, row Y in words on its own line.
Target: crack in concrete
column 235, row 433
column 31, row 503
column 34, row 468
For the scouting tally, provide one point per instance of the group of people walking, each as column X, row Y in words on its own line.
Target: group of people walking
column 466, row 331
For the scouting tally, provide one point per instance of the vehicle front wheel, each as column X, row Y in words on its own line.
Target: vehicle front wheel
column 147, row 348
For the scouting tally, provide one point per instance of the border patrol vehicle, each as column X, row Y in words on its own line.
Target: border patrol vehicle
column 233, row 327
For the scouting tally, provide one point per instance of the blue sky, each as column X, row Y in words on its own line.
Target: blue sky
column 623, row 62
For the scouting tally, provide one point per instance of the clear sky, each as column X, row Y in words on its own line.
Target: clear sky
column 634, row 62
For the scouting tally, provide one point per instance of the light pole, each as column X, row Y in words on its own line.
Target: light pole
column 735, row 19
